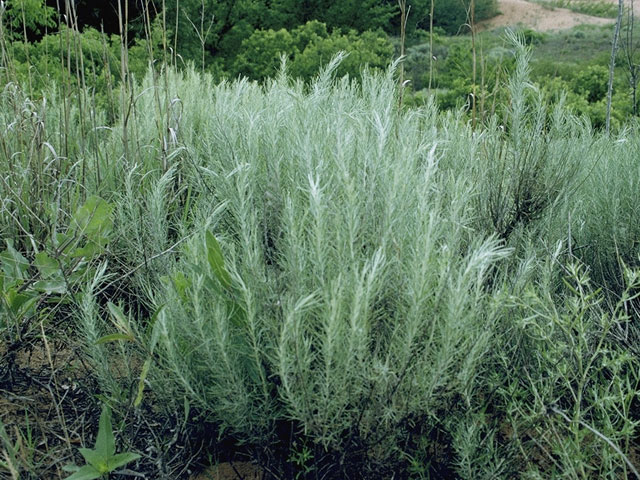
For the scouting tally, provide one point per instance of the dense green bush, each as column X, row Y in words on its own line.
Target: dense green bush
column 359, row 15
column 308, row 48
column 32, row 17
column 453, row 15
column 591, row 83
column 217, row 30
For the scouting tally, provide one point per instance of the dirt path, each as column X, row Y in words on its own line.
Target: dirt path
column 532, row 15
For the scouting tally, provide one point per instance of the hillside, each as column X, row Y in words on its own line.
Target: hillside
column 533, row 15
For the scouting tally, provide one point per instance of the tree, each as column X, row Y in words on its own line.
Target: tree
column 308, row 48
column 372, row 49
column 450, row 15
column 232, row 21
column 103, row 15
column 360, row 15
column 261, row 52
column 591, row 83
column 29, row 18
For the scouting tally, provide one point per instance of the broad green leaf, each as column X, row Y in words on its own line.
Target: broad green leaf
column 14, row 265
column 181, row 284
column 70, row 467
column 105, row 443
column 143, row 376
column 216, row 260
column 119, row 319
column 20, row 303
column 79, row 272
column 94, row 458
column 121, row 459
column 93, row 219
column 114, row 337
column 85, row 473
column 26, row 307
column 47, row 266
column 90, row 250
column 154, row 329
column 54, row 285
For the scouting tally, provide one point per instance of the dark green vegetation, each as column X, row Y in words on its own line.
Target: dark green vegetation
column 312, row 275
column 596, row 8
column 571, row 64
column 249, row 38
column 227, row 38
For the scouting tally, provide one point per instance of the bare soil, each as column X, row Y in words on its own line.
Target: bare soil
column 532, row 15
column 232, row 471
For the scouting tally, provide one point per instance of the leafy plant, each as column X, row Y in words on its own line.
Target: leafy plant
column 32, row 16
column 302, row 457
column 16, row 303
column 309, row 47
column 102, row 459
column 583, row 386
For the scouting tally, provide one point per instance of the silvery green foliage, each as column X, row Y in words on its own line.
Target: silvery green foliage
column 357, row 295
column 311, row 255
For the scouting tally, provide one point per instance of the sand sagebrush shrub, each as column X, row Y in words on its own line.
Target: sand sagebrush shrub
column 320, row 261
column 606, row 223
column 335, row 279
column 527, row 164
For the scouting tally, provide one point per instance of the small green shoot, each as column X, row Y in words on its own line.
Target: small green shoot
column 103, row 459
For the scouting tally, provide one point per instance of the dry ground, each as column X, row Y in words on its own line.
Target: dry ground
column 532, row 15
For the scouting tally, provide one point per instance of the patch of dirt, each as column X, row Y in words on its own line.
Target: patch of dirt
column 49, row 408
column 232, row 471
column 532, row 15
column 45, row 403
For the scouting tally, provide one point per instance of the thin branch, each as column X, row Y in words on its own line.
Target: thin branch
column 614, row 48
column 601, row 436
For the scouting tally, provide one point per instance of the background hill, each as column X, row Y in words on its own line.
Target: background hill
column 539, row 16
